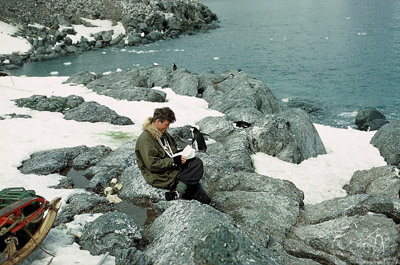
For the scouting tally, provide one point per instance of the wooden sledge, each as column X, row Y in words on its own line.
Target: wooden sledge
column 15, row 255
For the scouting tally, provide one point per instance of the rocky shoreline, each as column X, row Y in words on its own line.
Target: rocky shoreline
column 253, row 219
column 49, row 25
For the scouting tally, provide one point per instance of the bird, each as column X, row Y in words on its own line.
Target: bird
column 198, row 139
column 242, row 124
column 174, row 67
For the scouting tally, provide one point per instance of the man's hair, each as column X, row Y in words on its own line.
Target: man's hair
column 163, row 114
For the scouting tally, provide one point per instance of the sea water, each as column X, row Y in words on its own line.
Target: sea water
column 338, row 55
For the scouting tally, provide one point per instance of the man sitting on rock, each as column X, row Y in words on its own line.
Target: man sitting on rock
column 155, row 149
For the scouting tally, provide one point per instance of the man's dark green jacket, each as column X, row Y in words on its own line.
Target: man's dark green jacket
column 156, row 166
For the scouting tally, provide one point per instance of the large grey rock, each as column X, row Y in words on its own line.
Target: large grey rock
column 249, row 115
column 289, row 135
column 134, row 85
column 182, row 135
column 184, row 82
column 135, row 187
column 232, row 90
column 230, row 154
column 121, row 158
column 91, row 157
column 362, row 179
column 253, row 182
column 369, row 239
column 53, row 103
column 237, row 151
column 224, row 246
column 216, row 127
column 189, row 232
column 110, row 232
column 158, row 76
column 360, row 204
column 111, row 166
column 307, row 105
column 81, row 78
column 94, row 112
column 387, row 140
column 101, row 178
column 80, row 203
column 370, row 119
column 383, row 181
column 260, row 215
column 51, row 161
column 258, row 203
column 129, row 256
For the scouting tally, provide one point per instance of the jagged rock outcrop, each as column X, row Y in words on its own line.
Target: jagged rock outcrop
column 110, row 232
column 370, row 119
column 74, row 108
column 143, row 22
column 53, row 103
column 387, row 140
column 382, row 181
column 95, row 112
column 187, row 231
column 289, row 135
column 51, row 161
column 80, row 203
column 368, row 239
column 111, row 166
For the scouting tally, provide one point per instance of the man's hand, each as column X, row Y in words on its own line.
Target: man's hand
column 179, row 159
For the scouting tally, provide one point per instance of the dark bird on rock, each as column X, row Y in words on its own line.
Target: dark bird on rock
column 198, row 139
column 174, row 67
column 242, row 124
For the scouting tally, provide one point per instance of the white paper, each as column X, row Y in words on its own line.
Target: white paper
column 188, row 152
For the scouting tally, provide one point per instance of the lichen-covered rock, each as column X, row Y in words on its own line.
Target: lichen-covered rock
column 261, row 215
column 369, row 239
column 184, row 82
column 53, row 103
column 133, row 85
column 129, row 256
column 111, row 166
column 182, row 135
column 51, row 161
column 192, row 233
column 361, row 179
column 235, row 90
column 360, row 204
column 135, row 187
column 216, row 127
column 110, row 232
column 224, row 246
column 91, row 157
column 80, row 203
column 289, row 135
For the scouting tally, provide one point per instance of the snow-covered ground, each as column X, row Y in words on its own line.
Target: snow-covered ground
column 9, row 43
column 320, row 178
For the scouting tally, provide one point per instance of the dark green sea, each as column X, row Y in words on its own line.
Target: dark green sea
column 338, row 55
